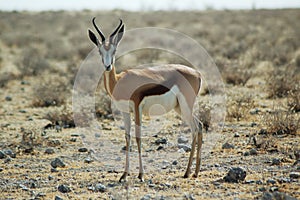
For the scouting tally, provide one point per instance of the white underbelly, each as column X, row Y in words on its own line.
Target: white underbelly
column 159, row 104
column 152, row 105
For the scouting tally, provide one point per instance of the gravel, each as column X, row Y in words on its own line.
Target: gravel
column 227, row 146
column 161, row 141
column 64, row 189
column 295, row 175
column 235, row 175
column 83, row 149
column 276, row 196
column 182, row 140
column 2, row 155
column 57, row 162
column 185, row 147
column 49, row 151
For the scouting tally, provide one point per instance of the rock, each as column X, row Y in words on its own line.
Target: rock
column 88, row 160
column 185, row 147
column 276, row 161
column 253, row 151
column 58, row 198
column 182, row 140
column 276, row 196
column 295, row 175
column 64, row 189
column 227, row 146
column 246, row 153
column 235, row 175
column 57, row 162
column 1, row 169
column 273, row 189
column 10, row 153
column 271, row 181
column 159, row 148
column 83, row 149
column 2, row 155
column 236, row 135
column 99, row 188
column 161, row 141
column 49, row 151
column 8, row 98
column 50, row 177
column 175, row 162
column 146, row 197
column 254, row 111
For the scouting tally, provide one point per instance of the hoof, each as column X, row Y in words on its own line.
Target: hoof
column 186, row 175
column 123, row 178
column 195, row 175
column 141, row 177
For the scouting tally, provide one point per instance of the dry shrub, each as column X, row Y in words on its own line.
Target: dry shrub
column 103, row 104
column 5, row 78
column 282, row 81
column 239, row 104
column 236, row 76
column 32, row 62
column 280, row 122
column 294, row 99
column 52, row 92
column 204, row 114
column 62, row 116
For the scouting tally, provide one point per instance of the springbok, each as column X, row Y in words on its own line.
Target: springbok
column 139, row 91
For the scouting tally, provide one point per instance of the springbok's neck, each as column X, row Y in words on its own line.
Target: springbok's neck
column 110, row 80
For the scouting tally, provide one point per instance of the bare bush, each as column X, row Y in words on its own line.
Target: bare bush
column 51, row 92
column 204, row 114
column 294, row 99
column 32, row 62
column 236, row 76
column 62, row 116
column 238, row 105
column 281, row 81
column 280, row 122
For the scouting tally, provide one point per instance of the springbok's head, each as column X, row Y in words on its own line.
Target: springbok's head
column 107, row 49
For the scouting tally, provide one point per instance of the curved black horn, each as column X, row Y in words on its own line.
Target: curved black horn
column 116, row 30
column 98, row 30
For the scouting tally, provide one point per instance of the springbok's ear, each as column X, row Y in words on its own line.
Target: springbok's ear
column 119, row 35
column 93, row 37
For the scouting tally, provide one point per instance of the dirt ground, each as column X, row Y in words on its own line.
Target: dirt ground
column 258, row 55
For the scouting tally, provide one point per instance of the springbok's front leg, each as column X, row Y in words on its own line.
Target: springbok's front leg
column 127, row 124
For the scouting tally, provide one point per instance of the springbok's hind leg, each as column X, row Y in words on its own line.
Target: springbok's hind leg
column 199, row 146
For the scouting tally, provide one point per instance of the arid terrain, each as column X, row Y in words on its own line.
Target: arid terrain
column 42, row 155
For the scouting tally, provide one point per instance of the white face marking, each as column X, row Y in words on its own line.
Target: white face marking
column 108, row 55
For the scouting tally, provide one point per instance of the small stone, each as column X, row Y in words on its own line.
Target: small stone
column 2, row 155
column 88, row 160
column 246, row 153
column 185, row 147
column 258, row 182
column 97, row 135
column 182, row 140
column 253, row 151
column 249, row 181
column 236, row 135
column 73, row 140
column 253, row 124
column 227, row 146
column 22, row 111
column 23, row 187
column 146, row 197
column 295, row 175
column 10, row 153
column 175, row 162
column 54, row 170
column 235, row 175
column 100, row 188
column 161, row 141
column 273, row 189
column 1, row 169
column 271, row 181
column 83, row 149
column 8, row 98
column 49, row 151
column 57, row 162
column 254, row 111
column 276, row 196
column 64, row 189
column 50, row 177
column 159, row 148
column 276, row 161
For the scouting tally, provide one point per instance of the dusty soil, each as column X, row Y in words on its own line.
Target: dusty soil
column 27, row 131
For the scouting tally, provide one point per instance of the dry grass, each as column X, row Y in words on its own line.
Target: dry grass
column 239, row 104
column 53, row 91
